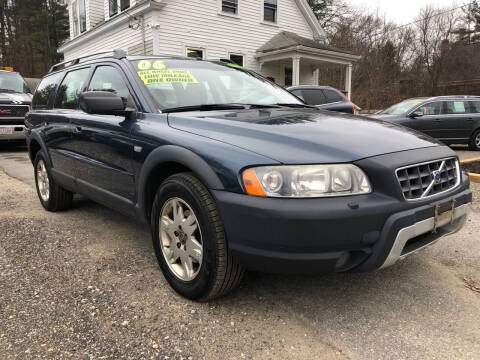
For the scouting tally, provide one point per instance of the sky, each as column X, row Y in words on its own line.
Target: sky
column 403, row 11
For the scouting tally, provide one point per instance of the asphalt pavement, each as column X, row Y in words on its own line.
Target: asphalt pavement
column 85, row 284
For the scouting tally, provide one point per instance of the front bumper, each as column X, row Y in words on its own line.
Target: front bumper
column 333, row 234
column 15, row 132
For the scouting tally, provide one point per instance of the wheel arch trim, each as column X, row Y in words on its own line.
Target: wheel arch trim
column 181, row 156
column 34, row 136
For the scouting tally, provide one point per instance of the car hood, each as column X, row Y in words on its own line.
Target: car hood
column 15, row 98
column 302, row 136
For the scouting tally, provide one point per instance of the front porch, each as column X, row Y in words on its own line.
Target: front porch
column 291, row 60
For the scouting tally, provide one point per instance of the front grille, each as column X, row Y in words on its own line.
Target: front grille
column 12, row 111
column 425, row 180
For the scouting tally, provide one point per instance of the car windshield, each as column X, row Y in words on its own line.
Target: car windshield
column 191, row 83
column 402, row 108
column 12, row 83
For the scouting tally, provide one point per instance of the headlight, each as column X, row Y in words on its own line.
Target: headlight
column 306, row 181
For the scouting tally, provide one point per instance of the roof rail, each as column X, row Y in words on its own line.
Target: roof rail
column 117, row 54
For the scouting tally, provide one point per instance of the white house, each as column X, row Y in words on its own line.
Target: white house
column 281, row 39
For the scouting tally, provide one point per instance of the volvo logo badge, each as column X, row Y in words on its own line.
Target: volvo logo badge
column 437, row 177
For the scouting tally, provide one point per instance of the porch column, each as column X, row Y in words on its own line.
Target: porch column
column 316, row 76
column 296, row 71
column 348, row 81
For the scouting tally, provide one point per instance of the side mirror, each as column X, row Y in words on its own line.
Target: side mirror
column 104, row 103
column 416, row 114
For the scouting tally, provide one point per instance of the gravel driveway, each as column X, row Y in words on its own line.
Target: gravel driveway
column 85, row 284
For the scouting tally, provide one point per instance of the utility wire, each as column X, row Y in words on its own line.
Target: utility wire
column 423, row 19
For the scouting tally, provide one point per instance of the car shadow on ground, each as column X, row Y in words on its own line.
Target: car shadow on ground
column 11, row 147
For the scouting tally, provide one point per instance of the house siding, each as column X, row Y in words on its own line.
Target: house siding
column 95, row 13
column 198, row 24
column 121, row 37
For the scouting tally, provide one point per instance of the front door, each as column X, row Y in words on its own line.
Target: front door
column 103, row 142
column 431, row 122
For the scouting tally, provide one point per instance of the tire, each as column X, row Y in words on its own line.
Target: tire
column 475, row 141
column 52, row 196
column 207, row 276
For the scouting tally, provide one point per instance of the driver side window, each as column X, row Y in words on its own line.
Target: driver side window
column 108, row 78
column 434, row 108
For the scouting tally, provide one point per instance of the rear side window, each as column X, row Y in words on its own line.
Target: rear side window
column 475, row 107
column 70, row 89
column 455, row 107
column 45, row 90
column 332, row 96
column 313, row 97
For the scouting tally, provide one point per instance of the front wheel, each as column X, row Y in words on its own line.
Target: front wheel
column 189, row 240
column 475, row 141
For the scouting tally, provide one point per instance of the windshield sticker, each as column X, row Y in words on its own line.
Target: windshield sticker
column 144, row 65
column 167, row 77
column 459, row 106
column 159, row 65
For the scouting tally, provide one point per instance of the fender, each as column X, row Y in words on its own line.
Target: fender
column 180, row 155
column 38, row 138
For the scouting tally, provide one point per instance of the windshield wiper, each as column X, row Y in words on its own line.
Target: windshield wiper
column 293, row 105
column 205, row 107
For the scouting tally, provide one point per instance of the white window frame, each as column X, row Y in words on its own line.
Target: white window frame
column 262, row 19
column 119, row 8
column 199, row 48
column 222, row 13
column 75, row 15
column 238, row 53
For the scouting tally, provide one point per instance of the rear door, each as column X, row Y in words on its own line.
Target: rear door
column 455, row 121
column 58, row 129
column 103, row 143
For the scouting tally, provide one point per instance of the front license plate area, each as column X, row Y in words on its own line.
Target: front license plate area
column 6, row 131
column 444, row 212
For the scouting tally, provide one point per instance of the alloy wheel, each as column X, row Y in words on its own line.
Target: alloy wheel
column 43, row 182
column 181, row 239
column 477, row 141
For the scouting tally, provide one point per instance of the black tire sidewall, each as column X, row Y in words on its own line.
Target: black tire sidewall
column 46, row 204
column 473, row 145
column 198, row 287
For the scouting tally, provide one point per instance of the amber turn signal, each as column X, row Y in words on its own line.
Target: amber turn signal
column 252, row 184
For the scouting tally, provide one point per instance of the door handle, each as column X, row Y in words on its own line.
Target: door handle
column 77, row 129
column 437, row 120
column 470, row 119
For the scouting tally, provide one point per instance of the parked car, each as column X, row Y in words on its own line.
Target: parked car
column 450, row 119
column 15, row 100
column 324, row 98
column 232, row 172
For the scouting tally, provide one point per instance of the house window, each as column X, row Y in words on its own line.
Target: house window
column 195, row 53
column 124, row 4
column 230, row 6
column 82, row 16
column 270, row 11
column 236, row 59
column 112, row 7
column 115, row 5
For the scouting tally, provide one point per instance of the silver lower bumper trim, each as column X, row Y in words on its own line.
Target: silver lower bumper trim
column 16, row 134
column 425, row 227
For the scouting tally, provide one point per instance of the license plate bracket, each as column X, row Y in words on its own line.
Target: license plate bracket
column 443, row 212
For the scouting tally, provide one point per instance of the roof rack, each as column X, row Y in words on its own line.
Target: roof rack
column 116, row 53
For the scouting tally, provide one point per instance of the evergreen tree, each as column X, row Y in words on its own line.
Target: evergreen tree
column 30, row 33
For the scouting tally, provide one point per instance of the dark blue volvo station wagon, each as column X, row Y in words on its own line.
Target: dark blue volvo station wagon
column 232, row 172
